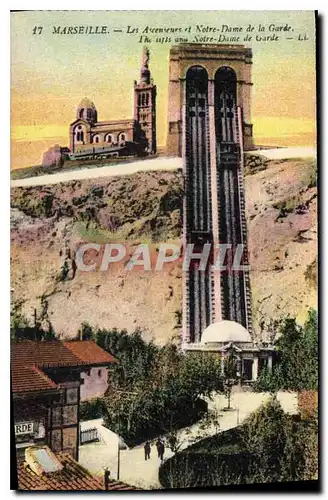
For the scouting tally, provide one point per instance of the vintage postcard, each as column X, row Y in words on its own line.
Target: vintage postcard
column 164, row 254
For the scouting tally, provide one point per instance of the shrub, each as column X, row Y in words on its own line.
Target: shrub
column 90, row 410
column 270, row 446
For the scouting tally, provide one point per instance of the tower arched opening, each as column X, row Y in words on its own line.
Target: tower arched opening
column 225, row 104
column 230, row 190
column 198, row 200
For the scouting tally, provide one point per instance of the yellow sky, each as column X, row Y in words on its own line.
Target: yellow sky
column 51, row 73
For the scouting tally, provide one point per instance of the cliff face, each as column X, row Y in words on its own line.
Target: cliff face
column 50, row 222
column 282, row 227
column 48, row 225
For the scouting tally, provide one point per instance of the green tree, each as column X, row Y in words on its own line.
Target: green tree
column 264, row 436
column 284, row 447
column 170, row 398
column 296, row 364
column 85, row 332
column 201, row 373
column 90, row 410
column 18, row 322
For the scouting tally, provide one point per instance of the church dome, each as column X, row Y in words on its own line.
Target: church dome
column 87, row 111
column 86, row 103
column 225, row 331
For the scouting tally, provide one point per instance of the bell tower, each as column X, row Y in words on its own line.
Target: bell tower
column 145, row 103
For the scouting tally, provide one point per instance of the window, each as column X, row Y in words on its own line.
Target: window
column 80, row 135
column 147, row 99
column 56, row 440
column 97, row 139
column 71, row 395
column 81, row 113
column 122, row 137
column 99, row 373
column 109, row 138
column 56, row 416
column 69, row 439
column 69, row 415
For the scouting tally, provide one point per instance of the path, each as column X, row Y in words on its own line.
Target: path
column 136, row 471
column 285, row 153
column 169, row 163
column 162, row 163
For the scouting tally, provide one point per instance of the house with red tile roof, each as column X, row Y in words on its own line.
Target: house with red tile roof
column 94, row 380
column 44, row 470
column 47, row 379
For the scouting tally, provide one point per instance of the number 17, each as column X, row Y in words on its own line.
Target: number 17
column 37, row 30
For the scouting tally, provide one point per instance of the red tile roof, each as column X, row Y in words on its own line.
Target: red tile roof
column 29, row 357
column 89, row 352
column 73, row 477
column 30, row 378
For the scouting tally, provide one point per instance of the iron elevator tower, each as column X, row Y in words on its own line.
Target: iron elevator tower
column 214, row 206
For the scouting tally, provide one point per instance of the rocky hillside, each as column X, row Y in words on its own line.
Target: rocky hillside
column 49, row 223
column 282, row 224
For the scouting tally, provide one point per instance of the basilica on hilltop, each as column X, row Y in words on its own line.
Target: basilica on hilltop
column 92, row 139
column 136, row 136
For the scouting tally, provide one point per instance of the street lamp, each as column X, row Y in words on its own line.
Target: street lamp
column 118, row 452
column 118, row 458
column 228, row 383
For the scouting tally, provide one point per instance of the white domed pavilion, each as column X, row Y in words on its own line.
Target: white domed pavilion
column 227, row 337
column 224, row 332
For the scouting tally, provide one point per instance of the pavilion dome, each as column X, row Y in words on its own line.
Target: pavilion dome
column 225, row 331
